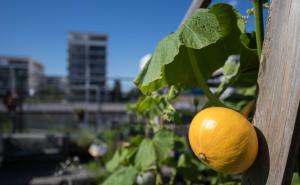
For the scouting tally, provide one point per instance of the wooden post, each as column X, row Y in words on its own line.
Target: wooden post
column 278, row 97
column 193, row 7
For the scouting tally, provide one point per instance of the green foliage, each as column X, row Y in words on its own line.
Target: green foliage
column 124, row 176
column 145, row 152
column 163, row 142
column 97, row 170
column 86, row 138
column 109, row 136
column 145, row 155
column 207, row 34
column 189, row 167
column 118, row 158
column 249, row 61
column 5, row 126
column 209, row 37
column 150, row 154
column 296, row 179
column 152, row 106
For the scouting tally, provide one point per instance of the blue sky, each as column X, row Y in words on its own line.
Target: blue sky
column 38, row 28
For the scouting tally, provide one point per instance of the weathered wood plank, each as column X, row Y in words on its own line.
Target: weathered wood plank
column 193, row 7
column 278, row 98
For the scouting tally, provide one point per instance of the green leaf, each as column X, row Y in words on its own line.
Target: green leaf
column 181, row 161
column 246, row 91
column 296, row 179
column 189, row 167
column 207, row 33
column 249, row 61
column 124, row 176
column 145, row 155
column 147, row 106
column 163, row 142
column 242, row 72
column 231, row 68
column 119, row 156
column 173, row 93
column 236, row 103
column 157, row 105
column 136, row 140
column 231, row 74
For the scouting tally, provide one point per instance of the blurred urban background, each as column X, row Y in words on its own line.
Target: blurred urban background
column 66, row 75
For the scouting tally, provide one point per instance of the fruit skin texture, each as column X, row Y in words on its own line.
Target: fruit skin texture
column 223, row 139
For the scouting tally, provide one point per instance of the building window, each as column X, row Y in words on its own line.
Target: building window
column 98, row 38
column 97, row 48
column 97, row 57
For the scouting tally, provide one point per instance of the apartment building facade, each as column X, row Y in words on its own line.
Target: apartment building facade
column 20, row 74
column 87, row 56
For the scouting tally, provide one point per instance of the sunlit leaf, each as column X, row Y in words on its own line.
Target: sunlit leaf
column 207, row 32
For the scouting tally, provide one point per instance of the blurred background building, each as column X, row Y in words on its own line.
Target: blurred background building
column 56, row 82
column 54, row 89
column 20, row 74
column 87, row 54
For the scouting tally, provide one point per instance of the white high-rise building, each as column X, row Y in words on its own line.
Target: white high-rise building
column 87, row 53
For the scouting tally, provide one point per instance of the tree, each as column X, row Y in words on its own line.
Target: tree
column 116, row 93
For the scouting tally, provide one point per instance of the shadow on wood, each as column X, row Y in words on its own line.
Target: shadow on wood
column 261, row 165
column 293, row 152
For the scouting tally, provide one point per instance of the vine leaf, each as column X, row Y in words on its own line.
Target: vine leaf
column 155, row 150
column 249, row 61
column 145, row 155
column 116, row 161
column 213, row 34
column 241, row 70
column 124, row 176
column 163, row 142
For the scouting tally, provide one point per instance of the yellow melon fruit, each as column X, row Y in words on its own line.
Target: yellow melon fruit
column 223, row 139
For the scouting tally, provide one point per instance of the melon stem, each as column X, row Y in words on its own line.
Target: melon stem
column 202, row 157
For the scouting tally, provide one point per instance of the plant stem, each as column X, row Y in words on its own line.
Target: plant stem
column 147, row 130
column 220, row 178
column 259, row 24
column 173, row 175
column 212, row 98
column 248, row 108
column 222, row 87
column 159, row 180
